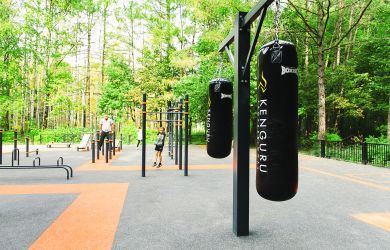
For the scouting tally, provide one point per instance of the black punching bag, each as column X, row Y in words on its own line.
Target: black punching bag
column 220, row 118
column 277, row 121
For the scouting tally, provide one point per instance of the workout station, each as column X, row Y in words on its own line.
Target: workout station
column 235, row 142
column 277, row 115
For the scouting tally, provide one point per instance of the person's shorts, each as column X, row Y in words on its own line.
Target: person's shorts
column 159, row 148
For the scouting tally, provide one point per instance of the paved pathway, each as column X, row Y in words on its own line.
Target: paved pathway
column 339, row 205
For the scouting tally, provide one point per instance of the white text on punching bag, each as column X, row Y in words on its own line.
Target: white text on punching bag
column 262, row 135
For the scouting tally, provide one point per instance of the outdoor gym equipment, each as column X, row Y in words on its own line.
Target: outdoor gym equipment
column 36, row 151
column 172, row 119
column 84, row 144
column 15, row 156
column 241, row 59
column 219, row 118
column 53, row 144
column 15, row 141
column 178, row 123
column 108, row 147
column 277, row 116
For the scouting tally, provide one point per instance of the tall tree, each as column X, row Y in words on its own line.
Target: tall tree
column 324, row 13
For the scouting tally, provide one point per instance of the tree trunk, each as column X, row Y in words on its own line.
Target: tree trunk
column 338, row 31
column 132, row 46
column 321, row 75
column 88, row 77
column 348, row 48
column 104, row 39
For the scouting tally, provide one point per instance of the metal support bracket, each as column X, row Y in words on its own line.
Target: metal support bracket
column 230, row 54
column 254, row 41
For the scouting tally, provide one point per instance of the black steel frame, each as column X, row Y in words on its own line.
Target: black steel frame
column 243, row 52
column 60, row 164
column 176, row 120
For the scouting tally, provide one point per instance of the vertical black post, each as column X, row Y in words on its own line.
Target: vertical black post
column 241, row 128
column 15, row 142
column 171, row 124
column 169, row 129
column 129, row 139
column 186, row 101
column 181, row 135
column 97, row 148
column 143, row 133
column 110, row 149
column 103, row 145
column 1, row 147
column 322, row 143
column 190, row 131
column 364, row 153
column 114, row 142
column 176, row 134
column 27, row 146
column 93, row 150
column 160, row 118
column 40, row 139
column 107, row 148
column 121, row 145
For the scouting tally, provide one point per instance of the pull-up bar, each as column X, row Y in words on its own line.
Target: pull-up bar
column 173, row 118
column 243, row 52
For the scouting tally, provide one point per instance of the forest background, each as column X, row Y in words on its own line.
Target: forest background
column 63, row 63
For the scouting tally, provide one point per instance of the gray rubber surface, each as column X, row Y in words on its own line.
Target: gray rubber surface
column 166, row 210
column 23, row 218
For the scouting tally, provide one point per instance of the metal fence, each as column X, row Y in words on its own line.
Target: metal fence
column 367, row 153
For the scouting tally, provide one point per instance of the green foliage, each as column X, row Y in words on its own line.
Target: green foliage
column 167, row 49
column 198, row 138
column 331, row 137
column 381, row 139
column 120, row 83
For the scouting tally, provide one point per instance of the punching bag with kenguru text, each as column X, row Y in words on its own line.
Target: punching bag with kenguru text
column 220, row 118
column 277, row 121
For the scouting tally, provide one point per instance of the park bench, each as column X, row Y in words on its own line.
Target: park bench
column 58, row 145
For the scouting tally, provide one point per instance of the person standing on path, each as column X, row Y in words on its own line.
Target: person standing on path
column 139, row 136
column 159, row 146
column 106, row 126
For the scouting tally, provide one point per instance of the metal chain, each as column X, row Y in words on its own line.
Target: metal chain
column 220, row 66
column 277, row 21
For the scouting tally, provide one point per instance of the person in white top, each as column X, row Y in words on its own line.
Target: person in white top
column 139, row 136
column 106, row 126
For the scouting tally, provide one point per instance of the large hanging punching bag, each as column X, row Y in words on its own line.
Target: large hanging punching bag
column 220, row 118
column 277, row 119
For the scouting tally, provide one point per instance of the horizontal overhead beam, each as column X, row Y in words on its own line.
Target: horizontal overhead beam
column 249, row 18
column 256, row 11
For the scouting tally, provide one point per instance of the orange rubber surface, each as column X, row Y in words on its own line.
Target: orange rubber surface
column 90, row 222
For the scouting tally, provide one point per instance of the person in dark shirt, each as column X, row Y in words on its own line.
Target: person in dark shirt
column 159, row 146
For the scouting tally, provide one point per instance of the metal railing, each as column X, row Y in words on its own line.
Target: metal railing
column 377, row 154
